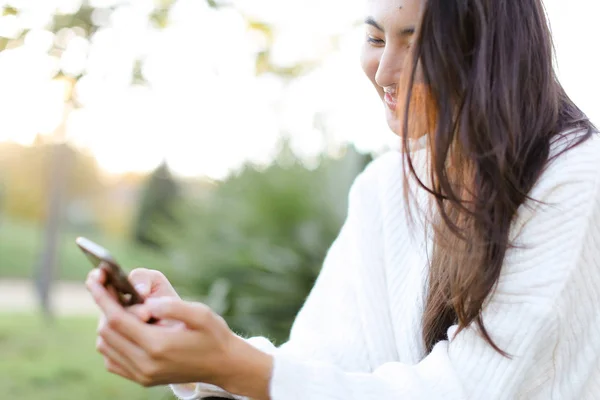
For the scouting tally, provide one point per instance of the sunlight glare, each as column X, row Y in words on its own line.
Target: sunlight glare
column 204, row 110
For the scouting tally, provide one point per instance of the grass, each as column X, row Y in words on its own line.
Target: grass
column 21, row 245
column 59, row 362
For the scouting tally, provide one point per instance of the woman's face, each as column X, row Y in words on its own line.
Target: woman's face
column 390, row 29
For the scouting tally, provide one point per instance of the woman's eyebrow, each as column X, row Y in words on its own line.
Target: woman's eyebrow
column 406, row 31
column 409, row 30
column 371, row 21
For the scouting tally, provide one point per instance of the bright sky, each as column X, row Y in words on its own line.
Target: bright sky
column 205, row 111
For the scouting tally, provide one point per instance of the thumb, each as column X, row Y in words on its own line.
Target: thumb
column 193, row 315
column 140, row 311
column 141, row 281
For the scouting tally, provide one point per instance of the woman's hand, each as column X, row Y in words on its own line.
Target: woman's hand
column 200, row 348
column 147, row 282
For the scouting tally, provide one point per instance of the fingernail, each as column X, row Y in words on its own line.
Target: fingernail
column 96, row 274
column 141, row 288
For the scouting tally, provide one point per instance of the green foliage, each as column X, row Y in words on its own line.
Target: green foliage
column 8, row 10
column 159, row 197
column 59, row 362
column 82, row 18
column 160, row 16
column 258, row 242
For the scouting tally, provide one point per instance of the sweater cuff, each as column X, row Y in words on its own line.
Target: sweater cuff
column 284, row 376
column 197, row 391
column 295, row 379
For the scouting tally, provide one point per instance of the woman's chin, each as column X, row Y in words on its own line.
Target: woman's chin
column 393, row 122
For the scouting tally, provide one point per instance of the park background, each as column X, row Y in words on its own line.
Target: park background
column 215, row 141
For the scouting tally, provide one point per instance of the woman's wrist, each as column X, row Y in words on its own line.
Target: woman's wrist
column 247, row 370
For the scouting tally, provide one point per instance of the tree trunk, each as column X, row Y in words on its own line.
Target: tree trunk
column 52, row 231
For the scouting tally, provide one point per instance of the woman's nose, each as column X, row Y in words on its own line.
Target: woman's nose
column 390, row 68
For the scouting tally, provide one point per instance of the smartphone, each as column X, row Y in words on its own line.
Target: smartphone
column 115, row 276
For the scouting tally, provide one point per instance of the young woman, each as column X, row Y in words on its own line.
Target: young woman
column 469, row 264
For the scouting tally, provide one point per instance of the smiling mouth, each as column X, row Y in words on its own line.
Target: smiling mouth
column 390, row 101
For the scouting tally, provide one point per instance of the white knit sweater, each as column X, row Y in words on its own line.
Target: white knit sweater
column 358, row 337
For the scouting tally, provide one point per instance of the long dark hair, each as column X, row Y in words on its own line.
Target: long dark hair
column 492, row 108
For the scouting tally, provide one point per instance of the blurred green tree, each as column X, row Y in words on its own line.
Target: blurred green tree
column 156, row 212
column 257, row 243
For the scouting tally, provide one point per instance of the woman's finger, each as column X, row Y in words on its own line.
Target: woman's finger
column 142, row 280
column 112, row 292
column 117, row 318
column 97, row 275
column 115, row 362
column 140, row 311
column 114, row 368
column 128, row 352
column 151, row 283
column 101, row 322
column 143, row 313
column 194, row 315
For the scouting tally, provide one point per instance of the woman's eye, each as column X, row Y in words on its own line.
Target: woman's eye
column 374, row 41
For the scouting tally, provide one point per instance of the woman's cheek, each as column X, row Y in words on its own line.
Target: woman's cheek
column 370, row 63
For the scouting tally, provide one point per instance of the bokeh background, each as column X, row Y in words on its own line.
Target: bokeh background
column 215, row 141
